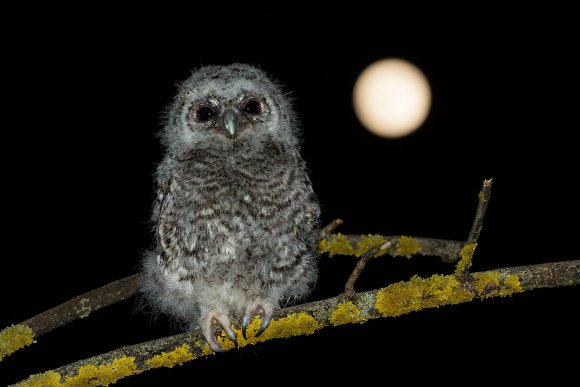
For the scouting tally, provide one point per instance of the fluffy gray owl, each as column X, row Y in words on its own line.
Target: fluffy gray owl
column 235, row 215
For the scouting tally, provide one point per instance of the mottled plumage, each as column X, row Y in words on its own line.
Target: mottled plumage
column 236, row 219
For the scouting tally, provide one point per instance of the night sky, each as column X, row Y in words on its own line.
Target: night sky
column 85, row 96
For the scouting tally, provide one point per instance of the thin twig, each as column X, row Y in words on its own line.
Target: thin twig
column 466, row 253
column 480, row 212
column 329, row 229
column 308, row 318
column 360, row 265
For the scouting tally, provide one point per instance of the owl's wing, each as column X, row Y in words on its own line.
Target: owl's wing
column 313, row 210
column 166, row 223
column 164, row 198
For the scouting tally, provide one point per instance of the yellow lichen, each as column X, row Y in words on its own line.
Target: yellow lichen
column 485, row 282
column 295, row 324
column 407, row 247
column 513, row 282
column 13, row 338
column 206, row 350
column 169, row 359
column 367, row 242
column 489, row 284
column 337, row 244
column 346, row 313
column 103, row 375
column 88, row 375
column 466, row 254
column 45, row 379
column 420, row 293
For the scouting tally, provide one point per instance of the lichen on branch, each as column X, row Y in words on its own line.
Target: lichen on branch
column 406, row 246
column 13, row 338
column 391, row 301
column 116, row 291
column 394, row 300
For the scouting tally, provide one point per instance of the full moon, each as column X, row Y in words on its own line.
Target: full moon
column 392, row 98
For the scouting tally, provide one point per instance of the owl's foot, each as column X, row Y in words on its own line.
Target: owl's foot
column 265, row 309
column 209, row 325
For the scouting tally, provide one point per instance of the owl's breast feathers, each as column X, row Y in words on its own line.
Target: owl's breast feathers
column 236, row 206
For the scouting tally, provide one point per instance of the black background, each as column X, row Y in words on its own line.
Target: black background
column 83, row 96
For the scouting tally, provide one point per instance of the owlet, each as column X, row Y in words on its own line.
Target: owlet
column 235, row 216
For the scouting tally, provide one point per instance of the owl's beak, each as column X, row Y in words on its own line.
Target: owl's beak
column 230, row 121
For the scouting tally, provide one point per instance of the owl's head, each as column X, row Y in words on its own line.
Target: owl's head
column 227, row 105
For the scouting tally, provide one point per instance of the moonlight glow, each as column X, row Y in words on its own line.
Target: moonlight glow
column 392, row 98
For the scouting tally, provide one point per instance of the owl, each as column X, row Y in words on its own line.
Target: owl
column 235, row 217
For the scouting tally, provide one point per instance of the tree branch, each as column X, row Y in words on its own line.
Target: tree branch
column 394, row 300
column 21, row 335
column 81, row 306
column 360, row 265
column 466, row 252
column 403, row 246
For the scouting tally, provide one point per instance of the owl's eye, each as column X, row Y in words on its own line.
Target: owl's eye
column 204, row 113
column 252, row 106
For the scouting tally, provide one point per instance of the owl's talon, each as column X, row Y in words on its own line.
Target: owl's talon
column 263, row 326
column 231, row 335
column 265, row 309
column 209, row 331
column 245, row 325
